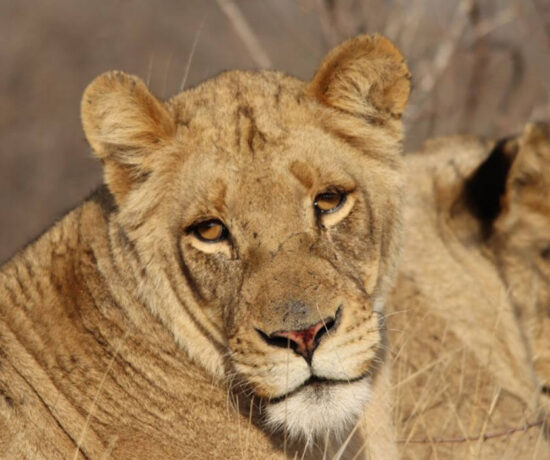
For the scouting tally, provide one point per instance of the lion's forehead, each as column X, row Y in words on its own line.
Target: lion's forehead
column 268, row 101
column 249, row 130
column 271, row 182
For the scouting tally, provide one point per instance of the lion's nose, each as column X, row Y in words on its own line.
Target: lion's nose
column 303, row 341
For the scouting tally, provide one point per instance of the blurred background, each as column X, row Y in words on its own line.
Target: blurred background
column 480, row 67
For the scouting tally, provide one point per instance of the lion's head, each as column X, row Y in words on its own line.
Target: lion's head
column 261, row 217
column 510, row 192
column 521, row 240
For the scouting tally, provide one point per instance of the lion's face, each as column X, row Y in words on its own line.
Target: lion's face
column 266, row 217
column 283, row 242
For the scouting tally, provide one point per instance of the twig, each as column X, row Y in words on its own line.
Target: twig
column 488, row 26
column 328, row 26
column 483, row 437
column 532, row 27
column 245, row 33
column 447, row 47
column 443, row 55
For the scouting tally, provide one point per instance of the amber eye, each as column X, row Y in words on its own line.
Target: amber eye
column 328, row 202
column 211, row 231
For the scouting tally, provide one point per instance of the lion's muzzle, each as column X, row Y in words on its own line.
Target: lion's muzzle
column 303, row 341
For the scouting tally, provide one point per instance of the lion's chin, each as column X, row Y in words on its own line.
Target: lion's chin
column 320, row 409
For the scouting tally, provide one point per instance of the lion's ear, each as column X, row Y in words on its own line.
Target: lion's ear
column 532, row 164
column 124, row 123
column 514, row 173
column 527, row 183
column 365, row 76
column 486, row 188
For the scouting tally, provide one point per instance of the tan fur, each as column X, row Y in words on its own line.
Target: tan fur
column 122, row 335
column 463, row 363
column 521, row 243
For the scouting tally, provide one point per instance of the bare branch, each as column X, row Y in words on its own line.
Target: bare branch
column 245, row 33
column 328, row 27
column 483, row 437
column 447, row 47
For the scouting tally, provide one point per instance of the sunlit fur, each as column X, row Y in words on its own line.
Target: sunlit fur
column 137, row 339
column 521, row 243
column 467, row 313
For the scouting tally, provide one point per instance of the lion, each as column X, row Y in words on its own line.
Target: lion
column 469, row 314
column 238, row 255
column 521, row 243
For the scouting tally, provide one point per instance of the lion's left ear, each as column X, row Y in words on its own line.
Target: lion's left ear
column 514, row 173
column 124, row 123
column 365, row 76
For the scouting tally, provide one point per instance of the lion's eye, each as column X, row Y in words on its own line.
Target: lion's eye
column 211, row 231
column 328, row 202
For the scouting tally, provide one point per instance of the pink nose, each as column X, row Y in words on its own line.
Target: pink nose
column 304, row 341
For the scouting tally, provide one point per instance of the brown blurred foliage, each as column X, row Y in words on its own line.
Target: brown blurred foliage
column 478, row 67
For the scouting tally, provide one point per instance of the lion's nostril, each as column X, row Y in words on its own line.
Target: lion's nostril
column 327, row 326
column 281, row 342
column 303, row 341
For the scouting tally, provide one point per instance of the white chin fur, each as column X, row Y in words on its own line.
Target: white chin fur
column 317, row 411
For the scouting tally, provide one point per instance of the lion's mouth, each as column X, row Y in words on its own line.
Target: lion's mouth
column 315, row 381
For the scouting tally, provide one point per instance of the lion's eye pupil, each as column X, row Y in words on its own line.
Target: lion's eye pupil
column 211, row 231
column 329, row 202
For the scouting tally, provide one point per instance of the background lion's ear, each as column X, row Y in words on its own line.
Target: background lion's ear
column 365, row 76
column 528, row 181
column 124, row 123
column 485, row 190
column 533, row 160
column 514, row 173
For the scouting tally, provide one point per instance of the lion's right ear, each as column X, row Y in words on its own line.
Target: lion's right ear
column 366, row 77
column 124, row 123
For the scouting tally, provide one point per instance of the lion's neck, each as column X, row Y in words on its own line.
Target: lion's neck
column 76, row 334
column 75, row 282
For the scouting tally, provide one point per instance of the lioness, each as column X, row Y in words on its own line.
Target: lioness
column 520, row 242
column 239, row 254
column 469, row 315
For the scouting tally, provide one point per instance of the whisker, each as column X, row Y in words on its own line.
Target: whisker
column 393, row 313
column 286, row 399
column 191, row 55
column 328, row 335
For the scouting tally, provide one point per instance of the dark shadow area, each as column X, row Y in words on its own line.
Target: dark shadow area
column 484, row 190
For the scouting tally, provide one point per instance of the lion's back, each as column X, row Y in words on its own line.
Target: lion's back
column 463, row 379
